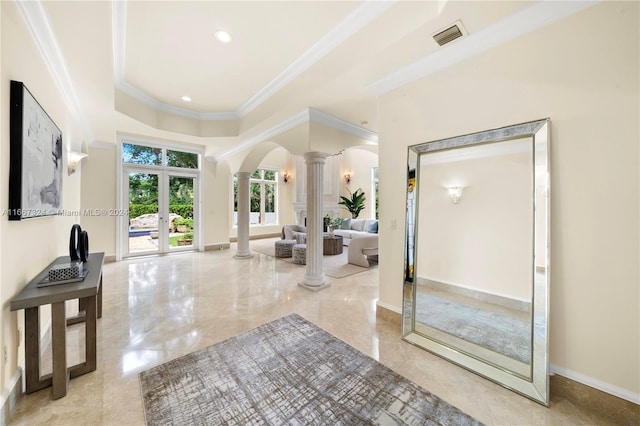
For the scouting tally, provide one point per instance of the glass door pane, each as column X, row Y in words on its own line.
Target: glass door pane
column 270, row 204
column 182, row 224
column 255, row 199
column 143, row 230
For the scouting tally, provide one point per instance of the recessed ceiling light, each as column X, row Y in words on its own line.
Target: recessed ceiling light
column 223, row 36
column 186, row 99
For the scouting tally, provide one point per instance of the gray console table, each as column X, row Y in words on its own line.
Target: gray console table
column 89, row 295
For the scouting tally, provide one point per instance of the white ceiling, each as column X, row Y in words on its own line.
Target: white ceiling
column 178, row 38
column 285, row 56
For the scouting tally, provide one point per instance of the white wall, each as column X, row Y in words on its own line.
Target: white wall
column 586, row 81
column 359, row 161
column 217, row 199
column 99, row 193
column 29, row 246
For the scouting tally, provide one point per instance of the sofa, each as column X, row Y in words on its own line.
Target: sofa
column 362, row 250
column 356, row 228
column 361, row 237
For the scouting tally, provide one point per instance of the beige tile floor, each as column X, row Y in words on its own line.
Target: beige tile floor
column 158, row 308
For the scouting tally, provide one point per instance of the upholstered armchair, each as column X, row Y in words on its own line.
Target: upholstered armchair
column 294, row 232
column 360, row 248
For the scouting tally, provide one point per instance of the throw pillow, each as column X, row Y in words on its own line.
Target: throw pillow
column 373, row 227
column 357, row 224
column 300, row 237
column 346, row 224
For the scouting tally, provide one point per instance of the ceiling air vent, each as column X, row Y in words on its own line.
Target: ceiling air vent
column 449, row 34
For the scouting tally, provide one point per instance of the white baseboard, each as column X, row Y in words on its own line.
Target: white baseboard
column 596, row 384
column 217, row 246
column 389, row 307
column 10, row 397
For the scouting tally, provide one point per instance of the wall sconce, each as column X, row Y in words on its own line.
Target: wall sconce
column 347, row 177
column 286, row 176
column 455, row 192
column 73, row 159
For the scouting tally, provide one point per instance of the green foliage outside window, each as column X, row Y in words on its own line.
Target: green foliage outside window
column 185, row 160
column 138, row 154
column 254, row 189
column 270, row 198
column 377, row 199
column 143, row 187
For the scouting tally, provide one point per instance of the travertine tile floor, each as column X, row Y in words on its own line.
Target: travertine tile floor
column 159, row 308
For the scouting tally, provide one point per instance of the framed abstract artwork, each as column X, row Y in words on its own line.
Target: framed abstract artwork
column 35, row 171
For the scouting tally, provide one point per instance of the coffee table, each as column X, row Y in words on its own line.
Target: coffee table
column 332, row 245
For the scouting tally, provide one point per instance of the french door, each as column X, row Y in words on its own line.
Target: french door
column 163, row 214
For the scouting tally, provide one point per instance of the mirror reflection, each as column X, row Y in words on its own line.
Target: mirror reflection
column 475, row 249
column 476, row 253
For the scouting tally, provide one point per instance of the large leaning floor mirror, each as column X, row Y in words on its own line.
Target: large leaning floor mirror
column 476, row 285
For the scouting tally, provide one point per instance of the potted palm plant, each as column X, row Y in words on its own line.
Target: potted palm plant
column 355, row 204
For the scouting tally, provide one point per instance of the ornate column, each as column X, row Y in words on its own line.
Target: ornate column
column 243, row 251
column 314, row 277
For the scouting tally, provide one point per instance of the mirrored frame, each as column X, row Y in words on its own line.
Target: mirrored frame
column 534, row 382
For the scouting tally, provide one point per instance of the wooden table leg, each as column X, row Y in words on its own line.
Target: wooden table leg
column 90, row 334
column 90, row 340
column 82, row 308
column 32, row 349
column 59, row 350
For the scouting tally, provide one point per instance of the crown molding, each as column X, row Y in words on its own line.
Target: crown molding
column 37, row 23
column 352, row 23
column 348, row 26
column 538, row 15
column 305, row 116
column 294, row 121
column 143, row 97
column 344, row 126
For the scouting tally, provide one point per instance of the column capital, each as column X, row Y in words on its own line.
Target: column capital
column 315, row 157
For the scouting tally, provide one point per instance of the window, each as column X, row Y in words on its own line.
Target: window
column 160, row 191
column 185, row 160
column 263, row 185
column 138, row 154
column 374, row 184
column 156, row 156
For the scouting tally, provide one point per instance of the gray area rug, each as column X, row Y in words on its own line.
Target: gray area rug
column 287, row 371
column 497, row 332
column 336, row 266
